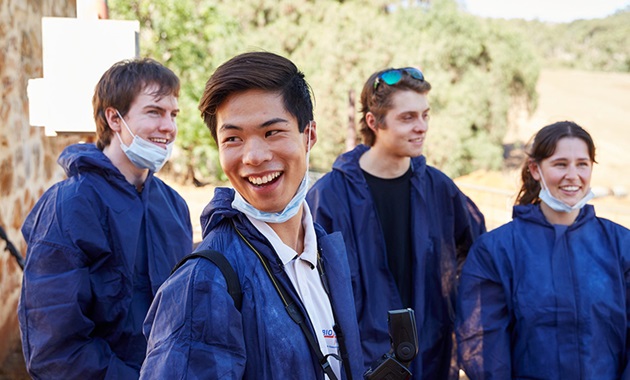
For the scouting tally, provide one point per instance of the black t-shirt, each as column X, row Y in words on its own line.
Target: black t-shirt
column 392, row 201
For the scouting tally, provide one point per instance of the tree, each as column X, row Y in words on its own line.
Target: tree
column 190, row 37
column 477, row 70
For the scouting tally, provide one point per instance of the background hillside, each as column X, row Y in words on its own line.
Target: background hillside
column 597, row 44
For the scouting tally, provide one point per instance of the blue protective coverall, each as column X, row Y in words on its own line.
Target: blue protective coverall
column 443, row 231
column 543, row 301
column 194, row 331
column 97, row 252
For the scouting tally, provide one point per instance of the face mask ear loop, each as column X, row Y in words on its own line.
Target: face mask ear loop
column 125, row 124
column 120, row 139
column 308, row 147
column 122, row 144
column 542, row 179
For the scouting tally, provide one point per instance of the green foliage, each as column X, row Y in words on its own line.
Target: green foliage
column 598, row 44
column 478, row 73
column 478, row 69
column 191, row 38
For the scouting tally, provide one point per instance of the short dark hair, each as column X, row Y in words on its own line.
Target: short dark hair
column 122, row 83
column 257, row 70
column 379, row 100
column 544, row 146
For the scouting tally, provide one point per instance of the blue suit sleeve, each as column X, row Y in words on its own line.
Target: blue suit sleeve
column 329, row 207
column 624, row 247
column 55, row 302
column 469, row 225
column 193, row 329
column 483, row 319
column 477, row 220
column 319, row 202
column 626, row 367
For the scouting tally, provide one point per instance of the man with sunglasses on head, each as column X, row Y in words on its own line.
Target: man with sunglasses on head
column 406, row 225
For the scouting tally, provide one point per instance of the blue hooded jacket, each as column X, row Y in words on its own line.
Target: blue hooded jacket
column 97, row 252
column 543, row 301
column 443, row 231
column 194, row 331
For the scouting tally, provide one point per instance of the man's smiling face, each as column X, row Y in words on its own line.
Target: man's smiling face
column 151, row 118
column 261, row 150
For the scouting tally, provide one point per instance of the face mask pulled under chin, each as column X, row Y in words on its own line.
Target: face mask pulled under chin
column 556, row 204
column 291, row 209
column 144, row 154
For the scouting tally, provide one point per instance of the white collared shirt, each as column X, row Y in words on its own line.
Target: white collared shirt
column 302, row 270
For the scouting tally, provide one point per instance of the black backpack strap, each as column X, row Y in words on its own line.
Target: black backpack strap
column 233, row 285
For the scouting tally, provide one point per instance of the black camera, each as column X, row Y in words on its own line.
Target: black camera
column 404, row 339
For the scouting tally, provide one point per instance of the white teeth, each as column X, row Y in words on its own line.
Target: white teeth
column 159, row 141
column 264, row 179
column 570, row 188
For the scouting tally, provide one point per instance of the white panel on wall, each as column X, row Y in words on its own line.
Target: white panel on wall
column 76, row 53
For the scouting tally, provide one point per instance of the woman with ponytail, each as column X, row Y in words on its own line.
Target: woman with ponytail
column 546, row 296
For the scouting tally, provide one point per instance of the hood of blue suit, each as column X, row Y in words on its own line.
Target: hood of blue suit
column 220, row 207
column 81, row 158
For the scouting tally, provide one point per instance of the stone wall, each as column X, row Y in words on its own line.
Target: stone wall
column 27, row 157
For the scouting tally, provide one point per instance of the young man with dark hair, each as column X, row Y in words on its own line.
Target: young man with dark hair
column 101, row 242
column 296, row 319
column 406, row 226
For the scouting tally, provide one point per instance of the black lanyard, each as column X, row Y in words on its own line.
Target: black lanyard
column 296, row 315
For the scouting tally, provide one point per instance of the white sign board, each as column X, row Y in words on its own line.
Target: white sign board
column 76, row 53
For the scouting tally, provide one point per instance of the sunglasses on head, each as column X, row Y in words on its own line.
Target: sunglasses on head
column 393, row 76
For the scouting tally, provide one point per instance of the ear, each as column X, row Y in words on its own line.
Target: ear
column 113, row 119
column 370, row 120
column 534, row 169
column 310, row 132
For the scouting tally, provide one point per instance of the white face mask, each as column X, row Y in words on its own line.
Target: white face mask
column 291, row 209
column 144, row 154
column 556, row 204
